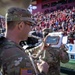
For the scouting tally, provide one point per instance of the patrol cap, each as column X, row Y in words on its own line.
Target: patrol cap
column 18, row 14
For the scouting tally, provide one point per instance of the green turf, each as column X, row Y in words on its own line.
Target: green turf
column 72, row 61
column 69, row 65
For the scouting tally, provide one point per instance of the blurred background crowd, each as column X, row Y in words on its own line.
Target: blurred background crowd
column 60, row 20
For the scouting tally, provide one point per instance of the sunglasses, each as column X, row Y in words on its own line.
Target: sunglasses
column 29, row 23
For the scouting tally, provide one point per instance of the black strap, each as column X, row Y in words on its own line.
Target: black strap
column 42, row 73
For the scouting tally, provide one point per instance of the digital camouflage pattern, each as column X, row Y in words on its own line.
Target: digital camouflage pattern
column 13, row 59
column 53, row 56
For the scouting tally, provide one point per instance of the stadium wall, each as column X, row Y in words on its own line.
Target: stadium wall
column 40, row 4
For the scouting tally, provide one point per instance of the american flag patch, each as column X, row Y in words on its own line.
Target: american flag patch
column 25, row 71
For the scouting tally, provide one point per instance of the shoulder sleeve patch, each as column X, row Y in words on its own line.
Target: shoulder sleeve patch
column 26, row 71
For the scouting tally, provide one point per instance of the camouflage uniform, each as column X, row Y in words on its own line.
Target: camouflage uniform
column 53, row 57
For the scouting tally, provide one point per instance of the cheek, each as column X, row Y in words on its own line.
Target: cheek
column 27, row 30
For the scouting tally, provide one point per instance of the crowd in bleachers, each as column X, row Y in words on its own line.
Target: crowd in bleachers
column 60, row 20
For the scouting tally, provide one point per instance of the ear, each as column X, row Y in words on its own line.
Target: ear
column 21, row 25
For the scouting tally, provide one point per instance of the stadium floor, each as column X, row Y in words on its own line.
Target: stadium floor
column 69, row 66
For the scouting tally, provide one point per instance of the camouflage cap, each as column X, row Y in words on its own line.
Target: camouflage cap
column 18, row 14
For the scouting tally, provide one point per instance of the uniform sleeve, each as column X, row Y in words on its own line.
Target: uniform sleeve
column 16, row 62
column 63, row 55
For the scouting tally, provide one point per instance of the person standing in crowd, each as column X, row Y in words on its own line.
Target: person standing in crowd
column 13, row 59
column 53, row 56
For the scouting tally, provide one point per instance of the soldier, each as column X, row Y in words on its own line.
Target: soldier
column 13, row 59
column 53, row 56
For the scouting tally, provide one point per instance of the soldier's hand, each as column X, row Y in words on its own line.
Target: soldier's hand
column 45, row 44
column 63, row 48
column 42, row 66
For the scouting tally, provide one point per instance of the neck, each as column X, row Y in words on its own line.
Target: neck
column 11, row 36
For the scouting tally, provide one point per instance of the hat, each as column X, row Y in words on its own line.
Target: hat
column 18, row 14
